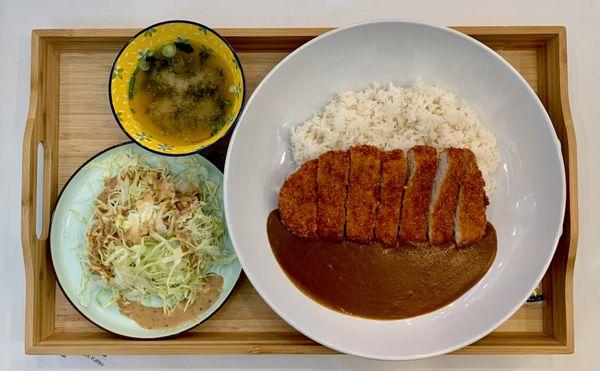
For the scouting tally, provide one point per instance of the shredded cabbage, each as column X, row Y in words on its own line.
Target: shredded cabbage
column 155, row 234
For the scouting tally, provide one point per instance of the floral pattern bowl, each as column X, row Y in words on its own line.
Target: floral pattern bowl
column 125, row 67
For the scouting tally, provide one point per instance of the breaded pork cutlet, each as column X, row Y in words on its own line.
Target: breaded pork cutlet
column 363, row 192
column 422, row 163
column 444, row 196
column 391, row 189
column 298, row 201
column 470, row 220
column 332, row 181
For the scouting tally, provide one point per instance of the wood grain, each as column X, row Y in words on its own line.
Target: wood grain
column 560, row 286
column 70, row 115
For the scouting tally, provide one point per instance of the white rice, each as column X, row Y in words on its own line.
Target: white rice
column 397, row 118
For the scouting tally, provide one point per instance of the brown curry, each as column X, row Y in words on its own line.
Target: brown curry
column 378, row 282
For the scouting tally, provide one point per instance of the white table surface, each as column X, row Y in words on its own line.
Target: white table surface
column 18, row 18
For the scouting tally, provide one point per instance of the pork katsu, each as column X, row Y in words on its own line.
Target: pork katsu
column 332, row 184
column 422, row 164
column 363, row 192
column 470, row 220
column 391, row 189
column 444, row 196
column 421, row 197
column 298, row 201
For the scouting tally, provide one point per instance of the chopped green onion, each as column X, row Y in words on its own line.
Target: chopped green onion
column 143, row 65
column 132, row 81
column 169, row 50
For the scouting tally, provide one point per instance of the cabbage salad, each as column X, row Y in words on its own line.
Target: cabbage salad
column 154, row 234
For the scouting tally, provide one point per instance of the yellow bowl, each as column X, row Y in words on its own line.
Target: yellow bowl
column 126, row 65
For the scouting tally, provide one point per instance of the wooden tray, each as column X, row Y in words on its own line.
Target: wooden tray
column 69, row 116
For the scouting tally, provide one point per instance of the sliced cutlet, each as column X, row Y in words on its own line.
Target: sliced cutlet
column 444, row 196
column 470, row 220
column 391, row 188
column 298, row 201
column 363, row 192
column 332, row 182
column 422, row 163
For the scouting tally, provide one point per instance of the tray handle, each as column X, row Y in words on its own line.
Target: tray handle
column 34, row 136
column 39, row 129
column 39, row 298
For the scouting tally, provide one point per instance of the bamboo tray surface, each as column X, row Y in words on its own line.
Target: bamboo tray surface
column 69, row 115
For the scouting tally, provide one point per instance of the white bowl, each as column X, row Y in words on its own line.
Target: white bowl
column 527, row 209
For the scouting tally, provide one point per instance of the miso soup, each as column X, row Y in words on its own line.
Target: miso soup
column 181, row 92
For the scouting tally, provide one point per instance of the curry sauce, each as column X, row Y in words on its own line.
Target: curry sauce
column 379, row 282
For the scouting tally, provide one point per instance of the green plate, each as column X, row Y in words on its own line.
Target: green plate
column 67, row 243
